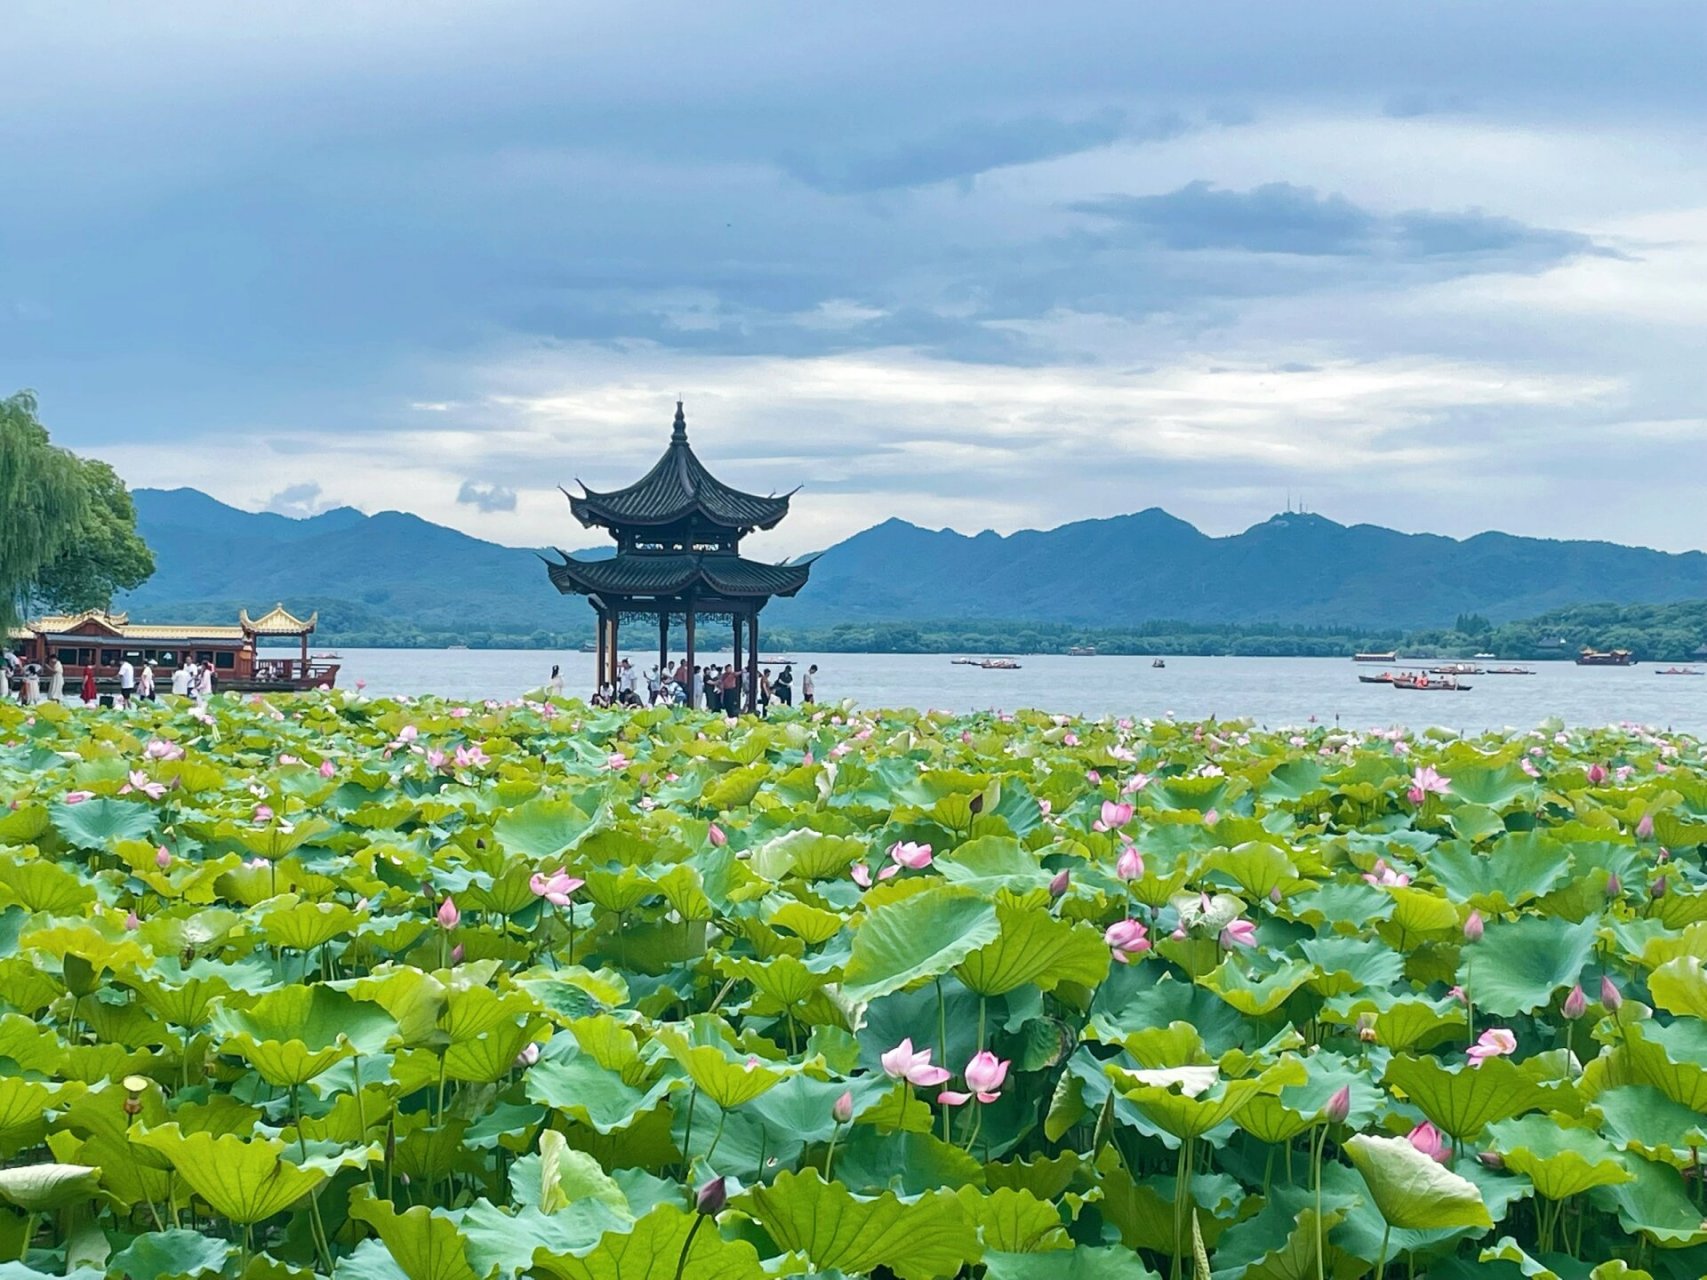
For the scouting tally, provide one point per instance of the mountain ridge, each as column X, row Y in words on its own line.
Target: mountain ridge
column 1292, row 568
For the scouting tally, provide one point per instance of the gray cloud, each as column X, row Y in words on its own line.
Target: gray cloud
column 297, row 500
column 486, row 497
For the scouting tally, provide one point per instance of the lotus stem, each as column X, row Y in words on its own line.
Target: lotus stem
column 1316, row 1173
column 682, row 1259
column 1381, row 1263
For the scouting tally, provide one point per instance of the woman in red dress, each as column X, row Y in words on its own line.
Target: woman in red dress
column 89, row 694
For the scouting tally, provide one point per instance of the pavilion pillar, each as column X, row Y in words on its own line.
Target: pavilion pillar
column 615, row 625
column 302, row 674
column 663, row 641
column 693, row 676
column 753, row 661
column 736, row 624
column 599, row 668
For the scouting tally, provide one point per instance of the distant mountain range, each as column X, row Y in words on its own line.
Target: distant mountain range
column 396, row 573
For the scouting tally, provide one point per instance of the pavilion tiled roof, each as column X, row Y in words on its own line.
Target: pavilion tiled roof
column 732, row 577
column 678, row 486
column 278, row 621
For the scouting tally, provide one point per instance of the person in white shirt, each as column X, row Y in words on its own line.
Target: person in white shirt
column 127, row 682
column 555, row 685
column 204, row 683
column 625, row 680
column 809, row 685
column 56, row 680
column 181, row 681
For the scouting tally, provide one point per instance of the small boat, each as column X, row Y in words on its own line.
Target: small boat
column 965, row 662
column 1423, row 684
column 587, row 646
column 1158, row 663
column 450, row 647
column 1390, row 657
column 1386, row 677
column 1678, row 671
column 999, row 664
column 1082, row 651
column 1606, row 658
column 1484, row 657
column 1508, row 671
column 1456, row 669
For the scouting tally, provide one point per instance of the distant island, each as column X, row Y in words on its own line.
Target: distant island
column 1297, row 584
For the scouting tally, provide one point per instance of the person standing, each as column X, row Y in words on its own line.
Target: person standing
column 765, row 692
column 555, row 685
column 808, row 685
column 6, row 676
column 729, row 691
column 204, row 682
column 181, row 676
column 785, row 687
column 56, row 680
column 91, row 695
column 127, row 682
column 145, row 683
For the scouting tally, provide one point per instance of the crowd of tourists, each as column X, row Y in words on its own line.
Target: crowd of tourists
column 722, row 688
column 29, row 682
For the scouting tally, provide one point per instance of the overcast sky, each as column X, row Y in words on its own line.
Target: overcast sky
column 1439, row 266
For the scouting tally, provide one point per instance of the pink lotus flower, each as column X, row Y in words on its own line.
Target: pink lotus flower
column 1596, row 774
column 160, row 749
column 1211, row 817
column 1645, row 828
column 1528, row 766
column 139, row 781
column 862, row 874
column 131, row 921
column 447, row 915
column 555, row 887
column 1126, row 938
column 328, row 769
column 1240, row 933
column 908, row 854
column 436, row 759
column 78, row 797
column 162, row 857
column 901, row 1063
column 1473, row 927
column 714, row 833
column 528, row 1056
column 360, row 685
column 616, row 762
column 1428, row 1140
column 1115, row 814
column 263, row 813
column 1093, row 777
column 985, row 1074
column 1069, row 739
column 806, row 756
column 1383, row 876
column 471, row 757
column 1131, row 864
column 1429, row 781
column 1496, row 1042
column 1045, row 807
column 286, row 761
column 1136, row 783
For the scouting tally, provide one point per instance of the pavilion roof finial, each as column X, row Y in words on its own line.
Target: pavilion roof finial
column 679, row 431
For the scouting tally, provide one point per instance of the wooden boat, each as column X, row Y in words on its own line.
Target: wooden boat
column 102, row 640
column 1507, row 671
column 1606, row 658
column 1386, row 677
column 1158, row 663
column 1423, row 684
column 999, row 664
column 1456, row 669
column 1375, row 657
column 1082, row 651
column 964, row 662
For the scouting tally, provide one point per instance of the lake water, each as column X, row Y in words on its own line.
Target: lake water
column 1271, row 691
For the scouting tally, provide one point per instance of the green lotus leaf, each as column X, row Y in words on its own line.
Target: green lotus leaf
column 100, row 823
column 171, row 1255
column 1680, row 987
column 25, row 824
column 1673, row 1059
column 1347, row 965
column 1520, row 966
column 425, row 1245
column 1279, row 1241
column 993, row 863
column 541, row 830
column 1411, row 1190
column 1495, row 786
column 786, row 980
column 1462, row 1100
column 581, row 1089
column 1654, row 1204
column 302, row 926
column 1642, row 1119
column 37, row 1188
column 275, row 842
column 1527, row 865
column 810, row 924
column 916, row 939
column 36, row 884
column 876, row 1157
column 1189, row 1105
column 1559, row 1158
column 918, row 1240
column 245, row 1181
column 727, row 1081
column 806, row 854
column 1035, row 948
column 1506, row 1249
column 292, row 1035
column 651, row 1248
column 1014, row 1221
column 1256, row 995
column 1081, row 1263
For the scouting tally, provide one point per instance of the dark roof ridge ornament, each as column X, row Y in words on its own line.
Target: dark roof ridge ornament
column 679, row 430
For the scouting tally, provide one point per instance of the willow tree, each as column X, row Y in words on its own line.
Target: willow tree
column 67, row 526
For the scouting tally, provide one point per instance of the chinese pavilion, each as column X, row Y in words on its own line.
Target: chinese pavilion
column 678, row 532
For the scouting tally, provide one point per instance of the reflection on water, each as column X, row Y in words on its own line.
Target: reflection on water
column 1271, row 691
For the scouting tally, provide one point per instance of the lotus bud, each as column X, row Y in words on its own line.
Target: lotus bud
column 711, row 1198
column 714, row 833
column 1659, row 888
column 1576, row 1004
column 976, row 804
column 1614, row 886
column 528, row 1056
column 448, row 916
column 1338, row 1106
column 1366, row 1028
column 131, row 921
column 842, row 1109
column 1274, row 895
column 456, row 954
column 162, row 857
column 1060, row 882
column 1664, row 855
column 1473, row 927
column 1645, row 828
column 1596, row 774
column 1610, row 995
column 1491, row 1160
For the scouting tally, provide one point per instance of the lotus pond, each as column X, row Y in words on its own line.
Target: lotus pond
column 385, row 988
